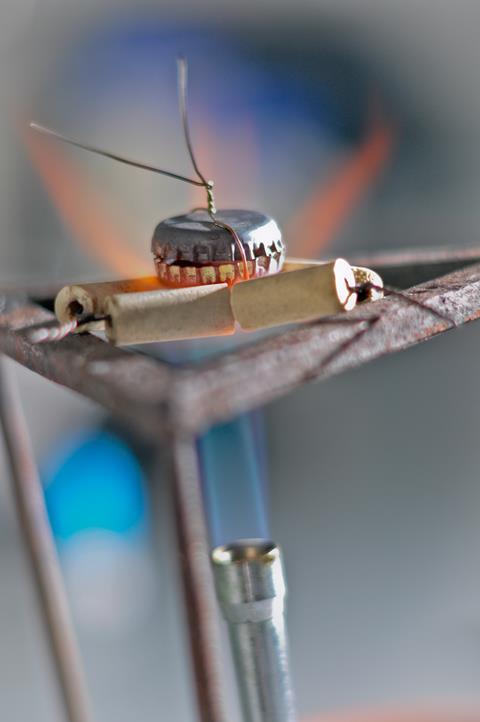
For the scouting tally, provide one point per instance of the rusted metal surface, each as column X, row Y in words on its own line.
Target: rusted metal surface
column 158, row 398
column 37, row 536
column 131, row 385
column 200, row 601
column 409, row 268
column 420, row 257
column 271, row 368
column 177, row 403
column 407, row 264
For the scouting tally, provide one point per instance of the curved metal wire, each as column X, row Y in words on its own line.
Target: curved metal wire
column 182, row 77
column 113, row 156
column 182, row 70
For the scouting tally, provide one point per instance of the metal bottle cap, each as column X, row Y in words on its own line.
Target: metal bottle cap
column 193, row 238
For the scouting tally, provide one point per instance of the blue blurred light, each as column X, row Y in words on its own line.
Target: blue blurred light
column 233, row 464
column 132, row 63
column 95, row 483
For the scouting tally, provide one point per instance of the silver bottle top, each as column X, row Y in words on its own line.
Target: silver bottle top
column 193, row 238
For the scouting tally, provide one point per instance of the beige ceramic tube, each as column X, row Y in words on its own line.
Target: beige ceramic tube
column 300, row 295
column 296, row 264
column 141, row 316
column 88, row 299
column 169, row 315
column 362, row 275
column 215, row 310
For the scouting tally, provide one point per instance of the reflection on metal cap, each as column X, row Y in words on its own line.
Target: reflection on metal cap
column 193, row 238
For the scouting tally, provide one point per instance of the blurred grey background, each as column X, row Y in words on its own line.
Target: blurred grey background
column 373, row 490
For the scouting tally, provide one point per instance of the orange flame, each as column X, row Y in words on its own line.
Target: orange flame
column 237, row 171
column 83, row 209
column 230, row 160
column 86, row 212
column 331, row 202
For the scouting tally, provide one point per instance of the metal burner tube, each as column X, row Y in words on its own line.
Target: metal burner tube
column 251, row 590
